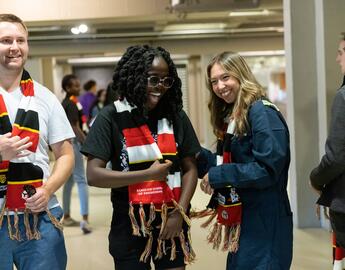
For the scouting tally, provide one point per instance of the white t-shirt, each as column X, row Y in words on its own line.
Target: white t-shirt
column 54, row 126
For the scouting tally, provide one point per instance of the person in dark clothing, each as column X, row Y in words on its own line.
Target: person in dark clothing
column 73, row 109
column 111, row 95
column 250, row 168
column 152, row 146
column 328, row 178
column 97, row 105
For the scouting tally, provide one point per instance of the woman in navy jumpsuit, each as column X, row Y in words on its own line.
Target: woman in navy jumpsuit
column 259, row 168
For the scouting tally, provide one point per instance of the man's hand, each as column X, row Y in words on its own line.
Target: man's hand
column 205, row 185
column 316, row 189
column 159, row 171
column 39, row 201
column 13, row 147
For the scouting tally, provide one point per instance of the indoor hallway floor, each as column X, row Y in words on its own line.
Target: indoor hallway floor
column 312, row 249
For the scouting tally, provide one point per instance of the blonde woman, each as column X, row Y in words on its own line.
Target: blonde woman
column 253, row 159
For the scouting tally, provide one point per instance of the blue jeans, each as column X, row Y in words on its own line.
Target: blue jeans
column 47, row 253
column 78, row 176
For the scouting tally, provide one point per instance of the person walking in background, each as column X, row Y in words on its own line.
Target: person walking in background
column 111, row 95
column 328, row 178
column 252, row 160
column 30, row 232
column 88, row 98
column 97, row 105
column 73, row 109
column 152, row 146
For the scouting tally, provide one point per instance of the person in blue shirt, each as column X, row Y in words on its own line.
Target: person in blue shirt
column 258, row 158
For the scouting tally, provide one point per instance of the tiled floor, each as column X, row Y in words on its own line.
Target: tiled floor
column 312, row 250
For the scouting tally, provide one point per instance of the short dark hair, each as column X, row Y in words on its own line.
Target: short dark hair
column 12, row 19
column 66, row 81
column 130, row 79
column 89, row 84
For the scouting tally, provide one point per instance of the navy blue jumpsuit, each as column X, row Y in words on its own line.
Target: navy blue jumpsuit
column 259, row 171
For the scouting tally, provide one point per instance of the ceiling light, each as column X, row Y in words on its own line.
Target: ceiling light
column 44, row 28
column 83, row 28
column 75, row 30
column 263, row 12
column 262, row 53
column 93, row 60
column 194, row 26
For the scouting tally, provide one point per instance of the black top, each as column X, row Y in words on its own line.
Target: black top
column 329, row 175
column 73, row 114
column 106, row 142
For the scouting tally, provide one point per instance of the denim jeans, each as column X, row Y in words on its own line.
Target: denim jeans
column 49, row 252
column 78, row 177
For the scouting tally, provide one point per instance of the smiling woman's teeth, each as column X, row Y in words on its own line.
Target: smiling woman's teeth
column 225, row 93
column 155, row 94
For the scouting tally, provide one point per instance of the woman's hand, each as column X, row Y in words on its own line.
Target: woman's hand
column 205, row 185
column 173, row 226
column 159, row 171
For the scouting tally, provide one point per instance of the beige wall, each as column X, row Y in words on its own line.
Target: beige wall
column 45, row 10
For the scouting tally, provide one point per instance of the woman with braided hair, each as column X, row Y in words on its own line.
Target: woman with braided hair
column 152, row 146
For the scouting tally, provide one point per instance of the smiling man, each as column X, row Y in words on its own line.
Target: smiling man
column 30, row 232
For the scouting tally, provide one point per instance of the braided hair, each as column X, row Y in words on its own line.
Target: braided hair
column 130, row 80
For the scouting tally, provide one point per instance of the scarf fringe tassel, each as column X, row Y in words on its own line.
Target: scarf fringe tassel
column 231, row 233
column 31, row 234
column 145, row 230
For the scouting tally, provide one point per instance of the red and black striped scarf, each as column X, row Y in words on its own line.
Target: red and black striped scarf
column 26, row 124
column 83, row 117
column 338, row 254
column 18, row 174
column 143, row 150
column 225, row 203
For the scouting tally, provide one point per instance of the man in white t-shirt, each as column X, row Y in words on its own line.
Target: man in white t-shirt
column 31, row 120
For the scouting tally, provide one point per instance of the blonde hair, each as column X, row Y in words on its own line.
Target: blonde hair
column 13, row 19
column 250, row 91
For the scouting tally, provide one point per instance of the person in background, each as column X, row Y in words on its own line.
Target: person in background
column 328, row 178
column 152, row 146
column 73, row 109
column 253, row 158
column 111, row 95
column 97, row 105
column 31, row 235
column 88, row 98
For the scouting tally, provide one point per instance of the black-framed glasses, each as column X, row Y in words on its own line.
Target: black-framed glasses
column 154, row 81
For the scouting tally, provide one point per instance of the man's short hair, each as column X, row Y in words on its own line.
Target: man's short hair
column 13, row 19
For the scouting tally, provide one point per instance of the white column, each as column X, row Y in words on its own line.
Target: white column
column 312, row 30
column 301, row 81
